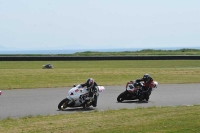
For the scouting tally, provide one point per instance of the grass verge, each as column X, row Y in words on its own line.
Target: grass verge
column 181, row 119
column 29, row 74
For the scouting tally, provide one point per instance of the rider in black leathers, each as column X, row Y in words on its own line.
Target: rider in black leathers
column 93, row 90
column 148, row 84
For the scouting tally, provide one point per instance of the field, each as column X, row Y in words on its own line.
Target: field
column 26, row 75
column 141, row 120
column 29, row 74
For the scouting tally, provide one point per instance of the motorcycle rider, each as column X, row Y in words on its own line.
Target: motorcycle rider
column 93, row 90
column 147, row 86
column 133, row 85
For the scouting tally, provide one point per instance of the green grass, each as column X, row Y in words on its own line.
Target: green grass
column 29, row 74
column 182, row 119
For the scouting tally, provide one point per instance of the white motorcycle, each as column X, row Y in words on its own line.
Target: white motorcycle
column 78, row 97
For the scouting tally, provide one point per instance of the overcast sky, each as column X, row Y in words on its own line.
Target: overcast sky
column 99, row 24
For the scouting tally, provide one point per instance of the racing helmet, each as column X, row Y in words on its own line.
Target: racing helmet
column 137, row 84
column 146, row 77
column 90, row 83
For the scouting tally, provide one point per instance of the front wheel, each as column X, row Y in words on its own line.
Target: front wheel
column 94, row 103
column 121, row 96
column 63, row 104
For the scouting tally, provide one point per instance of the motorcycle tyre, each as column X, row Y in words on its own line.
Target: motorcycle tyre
column 94, row 103
column 64, row 103
column 120, row 98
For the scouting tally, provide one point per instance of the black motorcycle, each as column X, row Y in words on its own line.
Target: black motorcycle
column 47, row 66
column 140, row 94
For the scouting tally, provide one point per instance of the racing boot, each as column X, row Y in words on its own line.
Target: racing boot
column 141, row 97
column 87, row 102
column 148, row 94
column 147, row 98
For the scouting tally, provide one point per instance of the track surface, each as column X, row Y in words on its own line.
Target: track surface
column 32, row 102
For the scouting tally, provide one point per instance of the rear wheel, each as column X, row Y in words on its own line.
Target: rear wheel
column 63, row 104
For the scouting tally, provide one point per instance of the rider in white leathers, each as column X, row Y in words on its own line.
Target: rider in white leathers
column 93, row 90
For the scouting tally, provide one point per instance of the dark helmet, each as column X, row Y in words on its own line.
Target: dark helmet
column 137, row 84
column 146, row 77
column 90, row 83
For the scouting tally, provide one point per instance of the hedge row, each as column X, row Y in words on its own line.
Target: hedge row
column 69, row 58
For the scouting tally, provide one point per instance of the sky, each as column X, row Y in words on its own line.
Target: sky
column 98, row 24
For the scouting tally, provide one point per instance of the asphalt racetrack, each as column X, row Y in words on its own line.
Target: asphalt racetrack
column 32, row 102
